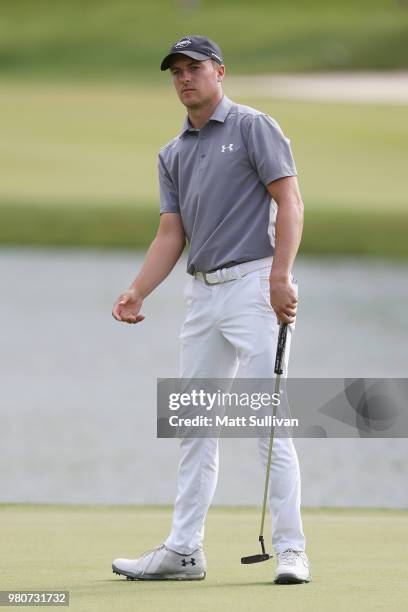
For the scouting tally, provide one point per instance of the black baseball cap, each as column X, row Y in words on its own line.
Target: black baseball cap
column 198, row 47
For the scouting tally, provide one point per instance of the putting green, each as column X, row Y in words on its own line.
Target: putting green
column 358, row 559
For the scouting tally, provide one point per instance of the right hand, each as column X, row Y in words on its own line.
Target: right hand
column 127, row 307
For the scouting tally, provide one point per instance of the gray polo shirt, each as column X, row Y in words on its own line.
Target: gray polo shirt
column 216, row 178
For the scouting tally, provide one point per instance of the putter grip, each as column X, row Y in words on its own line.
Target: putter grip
column 280, row 349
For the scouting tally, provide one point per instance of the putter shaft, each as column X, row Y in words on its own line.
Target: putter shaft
column 280, row 351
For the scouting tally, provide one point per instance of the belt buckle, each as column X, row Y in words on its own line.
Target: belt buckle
column 206, row 281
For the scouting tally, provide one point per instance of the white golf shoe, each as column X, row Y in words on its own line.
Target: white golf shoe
column 293, row 567
column 163, row 564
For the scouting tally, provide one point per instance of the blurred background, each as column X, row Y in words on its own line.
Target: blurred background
column 84, row 110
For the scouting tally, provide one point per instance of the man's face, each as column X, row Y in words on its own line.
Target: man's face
column 196, row 83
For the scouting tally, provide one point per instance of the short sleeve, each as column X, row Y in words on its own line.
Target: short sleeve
column 269, row 150
column 169, row 201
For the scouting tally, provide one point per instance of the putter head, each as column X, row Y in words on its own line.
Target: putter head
column 255, row 558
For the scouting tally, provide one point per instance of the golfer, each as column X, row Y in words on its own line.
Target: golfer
column 228, row 186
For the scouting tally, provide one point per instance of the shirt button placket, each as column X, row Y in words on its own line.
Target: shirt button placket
column 202, row 153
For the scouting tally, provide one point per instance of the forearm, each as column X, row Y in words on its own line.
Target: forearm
column 161, row 257
column 288, row 234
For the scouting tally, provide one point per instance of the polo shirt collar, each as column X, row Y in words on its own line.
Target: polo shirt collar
column 220, row 114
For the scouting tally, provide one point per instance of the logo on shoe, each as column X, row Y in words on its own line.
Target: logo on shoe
column 192, row 561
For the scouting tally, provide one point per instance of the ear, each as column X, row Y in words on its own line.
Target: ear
column 220, row 73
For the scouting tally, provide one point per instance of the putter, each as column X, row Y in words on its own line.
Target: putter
column 280, row 351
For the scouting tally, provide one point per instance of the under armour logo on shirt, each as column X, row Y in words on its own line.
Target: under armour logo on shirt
column 229, row 147
column 192, row 562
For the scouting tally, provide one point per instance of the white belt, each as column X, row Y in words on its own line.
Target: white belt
column 224, row 275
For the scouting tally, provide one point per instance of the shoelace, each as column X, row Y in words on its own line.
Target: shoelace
column 289, row 557
column 148, row 552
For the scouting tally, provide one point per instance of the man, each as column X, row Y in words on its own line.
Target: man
column 217, row 182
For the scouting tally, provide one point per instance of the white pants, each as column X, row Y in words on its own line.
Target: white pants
column 231, row 325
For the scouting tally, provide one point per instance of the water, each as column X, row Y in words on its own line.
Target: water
column 78, row 388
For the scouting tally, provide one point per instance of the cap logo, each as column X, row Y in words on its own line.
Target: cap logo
column 217, row 57
column 184, row 42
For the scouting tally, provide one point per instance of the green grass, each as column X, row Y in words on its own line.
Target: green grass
column 332, row 232
column 357, row 559
column 117, row 226
column 98, row 144
column 78, row 166
column 127, row 39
